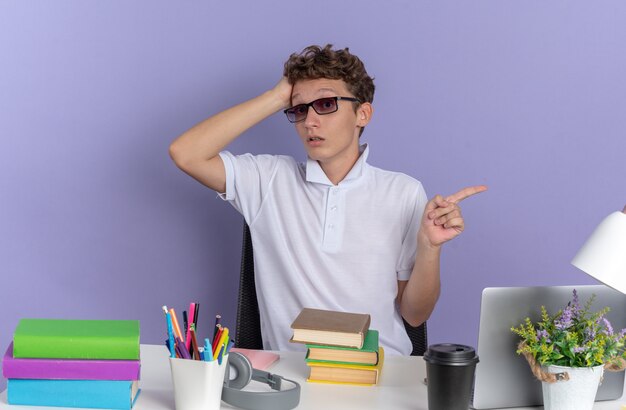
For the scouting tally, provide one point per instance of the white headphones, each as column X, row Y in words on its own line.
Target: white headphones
column 243, row 374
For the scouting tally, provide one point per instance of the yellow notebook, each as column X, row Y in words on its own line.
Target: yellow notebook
column 356, row 374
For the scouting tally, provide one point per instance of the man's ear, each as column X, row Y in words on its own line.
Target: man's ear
column 364, row 114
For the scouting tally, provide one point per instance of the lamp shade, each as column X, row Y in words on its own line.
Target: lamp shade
column 603, row 256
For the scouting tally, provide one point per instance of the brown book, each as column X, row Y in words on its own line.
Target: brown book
column 327, row 327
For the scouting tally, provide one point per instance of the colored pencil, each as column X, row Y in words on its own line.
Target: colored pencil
column 194, row 343
column 175, row 323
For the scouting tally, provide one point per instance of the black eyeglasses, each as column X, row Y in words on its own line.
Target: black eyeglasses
column 322, row 106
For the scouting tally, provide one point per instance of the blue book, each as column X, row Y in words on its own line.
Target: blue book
column 99, row 394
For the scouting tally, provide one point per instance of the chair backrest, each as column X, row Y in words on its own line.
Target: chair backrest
column 248, row 327
column 419, row 338
column 248, row 333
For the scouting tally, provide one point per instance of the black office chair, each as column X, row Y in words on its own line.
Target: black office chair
column 248, row 333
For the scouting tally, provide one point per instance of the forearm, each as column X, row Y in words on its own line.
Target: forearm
column 421, row 292
column 205, row 140
column 441, row 222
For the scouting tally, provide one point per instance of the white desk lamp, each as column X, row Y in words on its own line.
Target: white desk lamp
column 603, row 256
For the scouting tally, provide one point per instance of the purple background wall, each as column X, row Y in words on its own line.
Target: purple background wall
column 527, row 97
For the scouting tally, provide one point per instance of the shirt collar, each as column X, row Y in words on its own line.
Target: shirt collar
column 315, row 173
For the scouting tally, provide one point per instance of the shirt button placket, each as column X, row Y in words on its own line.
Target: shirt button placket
column 331, row 212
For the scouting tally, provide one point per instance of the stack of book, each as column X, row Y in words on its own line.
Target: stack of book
column 73, row 363
column 341, row 348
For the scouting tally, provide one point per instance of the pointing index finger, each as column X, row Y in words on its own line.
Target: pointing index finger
column 466, row 193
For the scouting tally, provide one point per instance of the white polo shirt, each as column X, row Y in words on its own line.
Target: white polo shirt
column 318, row 245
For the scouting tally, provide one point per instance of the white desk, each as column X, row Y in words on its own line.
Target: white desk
column 400, row 386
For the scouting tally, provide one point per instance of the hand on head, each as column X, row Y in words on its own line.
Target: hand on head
column 442, row 218
column 283, row 91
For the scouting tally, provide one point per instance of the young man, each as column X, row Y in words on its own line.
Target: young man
column 332, row 233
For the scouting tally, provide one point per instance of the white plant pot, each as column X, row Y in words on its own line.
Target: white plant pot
column 577, row 393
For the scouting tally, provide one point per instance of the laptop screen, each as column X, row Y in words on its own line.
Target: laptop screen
column 503, row 378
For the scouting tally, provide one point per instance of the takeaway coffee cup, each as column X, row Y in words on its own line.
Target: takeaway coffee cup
column 450, row 373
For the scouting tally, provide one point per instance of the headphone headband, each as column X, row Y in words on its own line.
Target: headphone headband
column 273, row 400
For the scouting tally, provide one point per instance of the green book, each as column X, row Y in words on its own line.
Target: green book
column 76, row 339
column 367, row 355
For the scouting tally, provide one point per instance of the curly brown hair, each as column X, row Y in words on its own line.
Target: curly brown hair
column 316, row 62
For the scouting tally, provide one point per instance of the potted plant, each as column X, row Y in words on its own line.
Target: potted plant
column 569, row 352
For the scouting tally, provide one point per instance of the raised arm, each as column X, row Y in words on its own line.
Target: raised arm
column 196, row 151
column 441, row 222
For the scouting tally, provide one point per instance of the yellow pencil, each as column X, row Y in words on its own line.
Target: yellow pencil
column 223, row 339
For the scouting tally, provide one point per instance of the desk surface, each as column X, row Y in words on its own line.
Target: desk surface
column 400, row 387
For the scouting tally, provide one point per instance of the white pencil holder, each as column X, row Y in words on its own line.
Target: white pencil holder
column 197, row 384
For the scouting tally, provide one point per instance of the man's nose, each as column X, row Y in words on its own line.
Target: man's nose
column 312, row 117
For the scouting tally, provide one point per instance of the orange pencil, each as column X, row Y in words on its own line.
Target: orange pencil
column 176, row 327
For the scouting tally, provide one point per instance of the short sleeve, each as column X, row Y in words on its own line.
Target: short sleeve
column 248, row 179
column 409, row 244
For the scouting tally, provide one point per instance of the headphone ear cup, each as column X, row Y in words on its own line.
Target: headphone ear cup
column 243, row 371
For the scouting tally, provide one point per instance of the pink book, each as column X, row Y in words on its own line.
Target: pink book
column 260, row 359
column 74, row 369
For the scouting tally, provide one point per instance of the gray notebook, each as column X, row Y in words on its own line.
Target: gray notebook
column 503, row 378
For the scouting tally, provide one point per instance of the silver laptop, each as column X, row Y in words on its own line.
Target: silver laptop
column 503, row 378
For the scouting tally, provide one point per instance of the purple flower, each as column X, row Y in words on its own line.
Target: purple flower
column 590, row 334
column 609, row 329
column 579, row 349
column 575, row 305
column 565, row 321
column 542, row 334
